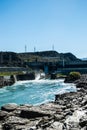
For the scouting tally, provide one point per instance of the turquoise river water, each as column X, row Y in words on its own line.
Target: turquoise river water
column 34, row 92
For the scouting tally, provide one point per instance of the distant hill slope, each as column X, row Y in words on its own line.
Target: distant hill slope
column 84, row 59
column 17, row 59
column 48, row 56
column 10, row 59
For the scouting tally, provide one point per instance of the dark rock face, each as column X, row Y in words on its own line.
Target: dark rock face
column 72, row 77
column 69, row 80
column 7, row 82
column 82, row 82
column 1, row 80
column 83, row 121
column 53, row 76
column 32, row 114
column 30, row 76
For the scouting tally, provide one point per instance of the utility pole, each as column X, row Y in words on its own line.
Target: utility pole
column 34, row 49
column 53, row 47
column 25, row 48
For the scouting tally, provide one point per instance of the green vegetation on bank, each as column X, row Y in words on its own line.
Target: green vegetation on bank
column 60, row 75
column 74, row 75
column 10, row 73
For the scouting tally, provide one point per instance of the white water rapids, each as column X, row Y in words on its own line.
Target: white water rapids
column 34, row 91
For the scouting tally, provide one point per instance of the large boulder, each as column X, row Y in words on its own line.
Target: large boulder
column 72, row 77
column 82, row 82
column 29, row 76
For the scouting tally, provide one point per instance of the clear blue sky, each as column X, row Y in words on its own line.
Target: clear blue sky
column 43, row 23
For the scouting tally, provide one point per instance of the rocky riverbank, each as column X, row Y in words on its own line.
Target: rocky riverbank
column 6, row 81
column 67, row 112
column 10, row 80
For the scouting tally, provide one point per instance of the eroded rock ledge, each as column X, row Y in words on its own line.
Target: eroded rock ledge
column 67, row 112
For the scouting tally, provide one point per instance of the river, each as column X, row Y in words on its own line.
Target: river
column 34, row 92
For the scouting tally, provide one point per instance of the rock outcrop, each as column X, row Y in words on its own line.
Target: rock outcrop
column 82, row 82
column 7, row 80
column 27, row 76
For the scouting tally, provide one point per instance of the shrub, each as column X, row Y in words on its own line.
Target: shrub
column 74, row 75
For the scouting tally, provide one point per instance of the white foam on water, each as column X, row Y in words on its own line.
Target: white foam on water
column 37, row 77
column 40, row 81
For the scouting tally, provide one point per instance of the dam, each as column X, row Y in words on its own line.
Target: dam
column 60, row 67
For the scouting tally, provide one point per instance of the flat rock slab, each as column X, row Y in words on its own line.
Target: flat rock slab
column 9, row 107
column 13, row 121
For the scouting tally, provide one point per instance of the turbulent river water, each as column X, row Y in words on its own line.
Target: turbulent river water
column 34, row 92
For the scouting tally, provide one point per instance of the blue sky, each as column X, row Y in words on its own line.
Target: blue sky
column 42, row 24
